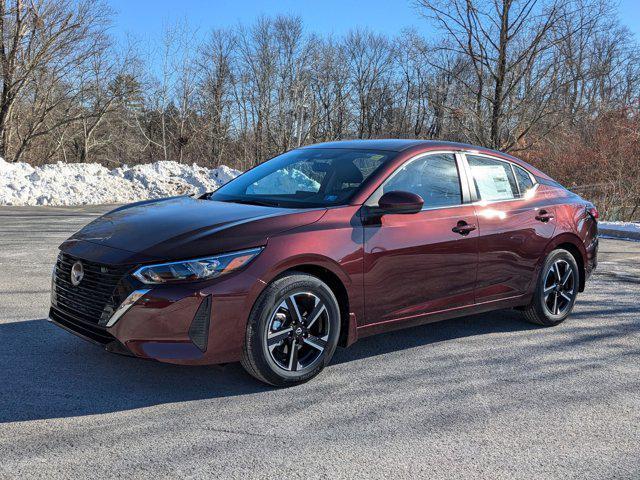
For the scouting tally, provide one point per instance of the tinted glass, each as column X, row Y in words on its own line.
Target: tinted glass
column 524, row 180
column 305, row 178
column 493, row 179
column 433, row 177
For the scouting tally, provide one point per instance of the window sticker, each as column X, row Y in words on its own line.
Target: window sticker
column 492, row 182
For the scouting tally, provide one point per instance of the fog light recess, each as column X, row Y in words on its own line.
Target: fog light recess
column 199, row 329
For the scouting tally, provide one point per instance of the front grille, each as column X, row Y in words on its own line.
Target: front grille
column 97, row 295
column 90, row 331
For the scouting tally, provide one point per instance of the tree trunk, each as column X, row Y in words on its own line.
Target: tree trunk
column 5, row 113
column 496, row 113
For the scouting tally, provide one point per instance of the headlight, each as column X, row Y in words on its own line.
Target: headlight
column 197, row 269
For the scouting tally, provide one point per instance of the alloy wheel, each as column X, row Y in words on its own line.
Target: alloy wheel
column 559, row 288
column 298, row 332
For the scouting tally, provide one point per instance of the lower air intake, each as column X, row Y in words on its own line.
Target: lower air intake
column 199, row 329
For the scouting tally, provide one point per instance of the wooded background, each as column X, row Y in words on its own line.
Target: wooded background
column 554, row 82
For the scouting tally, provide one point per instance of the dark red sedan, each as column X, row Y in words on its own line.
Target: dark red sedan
column 321, row 246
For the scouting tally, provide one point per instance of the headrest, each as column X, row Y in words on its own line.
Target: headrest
column 347, row 172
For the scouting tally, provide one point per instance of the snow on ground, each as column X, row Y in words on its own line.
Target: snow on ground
column 620, row 226
column 623, row 230
column 94, row 184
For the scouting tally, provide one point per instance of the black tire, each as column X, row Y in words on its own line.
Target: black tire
column 549, row 289
column 271, row 365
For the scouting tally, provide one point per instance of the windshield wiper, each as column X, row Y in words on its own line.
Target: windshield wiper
column 251, row 201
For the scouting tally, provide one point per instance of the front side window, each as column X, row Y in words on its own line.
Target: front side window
column 434, row 177
column 493, row 179
column 305, row 178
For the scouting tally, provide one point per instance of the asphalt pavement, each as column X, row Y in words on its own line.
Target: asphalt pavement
column 488, row 396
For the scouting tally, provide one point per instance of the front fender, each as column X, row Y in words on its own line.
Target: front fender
column 304, row 260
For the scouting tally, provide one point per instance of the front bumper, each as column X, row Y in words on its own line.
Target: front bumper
column 194, row 324
column 87, row 332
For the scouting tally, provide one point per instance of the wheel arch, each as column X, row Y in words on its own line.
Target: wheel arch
column 576, row 248
column 337, row 286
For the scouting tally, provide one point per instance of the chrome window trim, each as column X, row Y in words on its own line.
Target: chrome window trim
column 477, row 203
column 484, row 203
column 482, row 154
column 466, row 176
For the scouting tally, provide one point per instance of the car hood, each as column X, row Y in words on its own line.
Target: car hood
column 182, row 227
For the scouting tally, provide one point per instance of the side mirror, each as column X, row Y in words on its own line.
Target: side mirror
column 400, row 202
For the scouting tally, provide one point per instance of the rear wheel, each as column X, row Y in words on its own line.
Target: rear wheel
column 292, row 331
column 556, row 290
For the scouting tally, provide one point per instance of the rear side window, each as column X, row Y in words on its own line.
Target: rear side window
column 493, row 179
column 434, row 177
column 524, row 180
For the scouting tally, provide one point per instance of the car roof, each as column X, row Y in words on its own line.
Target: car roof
column 391, row 144
column 395, row 145
column 399, row 145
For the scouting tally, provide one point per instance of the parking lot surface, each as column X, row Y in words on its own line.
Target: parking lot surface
column 488, row 396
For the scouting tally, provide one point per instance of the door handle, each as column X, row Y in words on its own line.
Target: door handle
column 544, row 216
column 463, row 228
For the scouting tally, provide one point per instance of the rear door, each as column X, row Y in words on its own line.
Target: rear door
column 515, row 224
column 415, row 264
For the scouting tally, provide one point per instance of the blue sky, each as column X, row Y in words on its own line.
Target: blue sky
column 144, row 19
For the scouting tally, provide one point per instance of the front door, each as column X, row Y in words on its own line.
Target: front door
column 426, row 262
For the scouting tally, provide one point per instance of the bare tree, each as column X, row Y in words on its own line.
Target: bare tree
column 216, row 84
column 370, row 64
column 50, row 41
column 509, row 46
column 291, row 84
column 535, row 76
column 258, row 60
column 329, row 78
column 184, row 125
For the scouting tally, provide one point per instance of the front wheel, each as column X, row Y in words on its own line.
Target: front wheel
column 556, row 290
column 292, row 331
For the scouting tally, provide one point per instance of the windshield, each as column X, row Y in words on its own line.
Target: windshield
column 304, row 178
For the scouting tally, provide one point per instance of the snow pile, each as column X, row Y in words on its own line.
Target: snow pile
column 621, row 226
column 628, row 230
column 94, row 184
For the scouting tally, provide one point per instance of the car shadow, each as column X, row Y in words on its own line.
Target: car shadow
column 481, row 324
column 48, row 373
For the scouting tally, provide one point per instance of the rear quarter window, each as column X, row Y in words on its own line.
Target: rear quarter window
column 525, row 183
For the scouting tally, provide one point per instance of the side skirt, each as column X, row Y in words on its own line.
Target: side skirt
column 406, row 322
